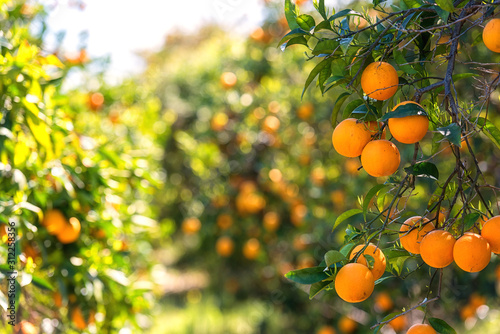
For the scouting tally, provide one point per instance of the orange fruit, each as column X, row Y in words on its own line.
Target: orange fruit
column 70, row 232
column 436, row 248
column 224, row 246
column 380, row 158
column 54, row 221
column 379, row 81
column 26, row 327
column 411, row 240
column 350, row 136
column 379, row 257
column 96, row 100
column 472, row 252
column 224, row 221
column 297, row 214
column 78, row 319
column 491, row 232
column 467, row 311
column 354, row 283
column 251, row 249
column 271, row 221
column 497, row 272
column 218, row 121
column 305, row 111
column 58, row 301
column 409, row 129
column 326, row 330
column 399, row 323
column 191, row 225
column 351, row 166
column 347, row 325
column 476, row 300
column 228, row 79
column 421, row 329
column 383, row 302
column 491, row 35
column 271, row 124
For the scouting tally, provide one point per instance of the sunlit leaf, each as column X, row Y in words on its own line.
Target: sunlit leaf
column 441, row 326
column 346, row 215
column 307, row 275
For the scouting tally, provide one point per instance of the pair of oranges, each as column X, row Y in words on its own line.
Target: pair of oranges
column 439, row 248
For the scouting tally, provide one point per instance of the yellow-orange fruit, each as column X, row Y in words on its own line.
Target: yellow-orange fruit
column 491, row 35
column 70, row 232
column 411, row 240
column 409, row 129
column 491, row 232
column 354, row 283
column 326, row 330
column 271, row 221
column 224, row 221
column 399, row 323
column 350, row 136
column 251, row 249
column 472, row 252
column 191, row 225
column 436, row 248
column 380, row 158
column 421, row 329
column 347, row 325
column 228, row 79
column 379, row 81
column 305, row 111
column 383, row 302
column 78, row 319
column 54, row 220
column 224, row 246
column 271, row 124
column 379, row 257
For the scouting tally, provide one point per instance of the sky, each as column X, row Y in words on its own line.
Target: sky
column 121, row 28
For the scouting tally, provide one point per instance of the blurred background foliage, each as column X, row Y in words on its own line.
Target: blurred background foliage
column 198, row 184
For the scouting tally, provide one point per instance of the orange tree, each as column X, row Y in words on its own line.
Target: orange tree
column 418, row 106
column 69, row 195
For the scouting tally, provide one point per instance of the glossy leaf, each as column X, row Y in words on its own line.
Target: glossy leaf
column 307, row 275
column 318, row 287
column 369, row 195
column 489, row 129
column 338, row 104
column 346, row 215
column 315, row 72
column 320, row 7
column 409, row 109
column 452, row 132
column 446, row 5
column 333, row 256
column 441, row 326
column 424, row 169
column 306, row 22
column 291, row 14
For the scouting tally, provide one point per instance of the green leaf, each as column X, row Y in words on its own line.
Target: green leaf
column 42, row 283
column 294, row 41
column 307, row 275
column 342, row 13
column 456, row 78
column 401, row 60
column 333, row 256
column 338, row 104
column 443, row 14
column 446, row 5
column 347, row 248
column 393, row 253
column 350, row 107
column 323, row 25
column 292, row 34
column 325, row 47
column 320, row 7
column 452, row 132
column 317, row 288
column 470, row 220
column 315, row 72
column 344, row 44
column 291, row 14
column 489, row 129
column 369, row 260
column 408, row 109
column 362, row 112
column 306, row 22
column 372, row 192
column 381, row 279
column 424, row 169
column 441, row 326
column 346, row 215
column 323, row 75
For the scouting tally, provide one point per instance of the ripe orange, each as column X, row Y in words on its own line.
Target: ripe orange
column 436, row 248
column 54, row 221
column 467, row 311
column 491, row 35
column 380, row 158
column 298, row 213
column 491, row 232
column 411, row 241
column 78, row 319
column 351, row 166
column 379, row 257
column 305, row 111
column 347, row 325
column 271, row 221
column 70, row 232
column 399, row 323
column 26, row 327
column 58, row 301
column 251, row 249
column 472, row 252
column 409, row 129
column 379, row 81
column 218, row 121
column 354, row 283
column 191, row 225
column 224, row 246
column 326, row 330
column 350, row 136
column 421, row 329
column 96, row 100
column 271, row 124
column 224, row 221
column 228, row 79
column 383, row 302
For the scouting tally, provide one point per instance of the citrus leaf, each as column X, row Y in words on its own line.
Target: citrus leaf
column 372, row 192
column 424, row 169
column 291, row 14
column 306, row 22
column 338, row 104
column 333, row 256
column 325, row 47
column 489, row 129
column 346, row 249
column 307, row 275
column 346, row 215
column 342, row 13
column 350, row 107
column 380, row 280
column 408, row 109
column 446, row 5
column 294, row 41
column 42, row 283
column 470, row 220
column 323, row 25
column 441, row 326
column 320, row 7
column 370, row 261
column 362, row 111
column 298, row 32
column 315, row 72
column 452, row 132
column 317, row 288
